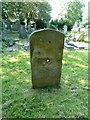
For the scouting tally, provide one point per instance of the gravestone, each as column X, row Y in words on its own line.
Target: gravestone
column 16, row 25
column 8, row 25
column 4, row 27
column 22, row 32
column 31, row 29
column 65, row 29
column 46, row 49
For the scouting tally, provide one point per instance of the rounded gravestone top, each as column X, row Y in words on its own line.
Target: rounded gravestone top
column 46, row 29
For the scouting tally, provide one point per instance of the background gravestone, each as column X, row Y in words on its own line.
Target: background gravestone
column 5, row 26
column 8, row 25
column 16, row 25
column 46, row 47
column 65, row 29
column 22, row 31
column 31, row 29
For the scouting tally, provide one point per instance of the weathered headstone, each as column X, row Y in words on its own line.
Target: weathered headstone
column 77, row 26
column 65, row 29
column 31, row 29
column 22, row 32
column 16, row 25
column 4, row 27
column 8, row 25
column 46, row 48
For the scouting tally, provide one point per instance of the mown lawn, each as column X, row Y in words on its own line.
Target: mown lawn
column 21, row 101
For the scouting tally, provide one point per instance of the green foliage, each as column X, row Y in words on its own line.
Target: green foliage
column 63, row 22
column 60, row 23
column 44, row 11
column 87, row 24
column 26, row 10
column 19, row 100
column 74, row 11
column 52, row 26
column 40, row 24
column 54, row 22
column 6, row 42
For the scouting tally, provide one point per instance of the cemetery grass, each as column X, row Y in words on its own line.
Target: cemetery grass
column 19, row 100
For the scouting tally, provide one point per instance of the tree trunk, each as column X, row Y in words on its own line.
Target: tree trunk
column 28, row 21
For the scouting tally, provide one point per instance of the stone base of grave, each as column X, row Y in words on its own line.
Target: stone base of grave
column 75, row 45
column 69, row 47
column 11, row 49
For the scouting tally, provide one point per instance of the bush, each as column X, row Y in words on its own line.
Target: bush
column 59, row 24
column 54, row 24
column 7, row 42
column 87, row 24
column 40, row 24
column 53, row 27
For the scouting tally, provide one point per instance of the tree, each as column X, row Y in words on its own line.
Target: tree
column 74, row 11
column 44, row 11
column 60, row 23
column 29, row 11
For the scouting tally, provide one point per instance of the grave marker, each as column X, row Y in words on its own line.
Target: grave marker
column 65, row 29
column 22, row 32
column 16, row 25
column 46, row 49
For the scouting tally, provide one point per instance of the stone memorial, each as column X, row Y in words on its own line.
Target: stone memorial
column 65, row 29
column 22, row 32
column 8, row 25
column 46, row 50
column 16, row 25
column 76, row 27
column 5, row 27
column 31, row 29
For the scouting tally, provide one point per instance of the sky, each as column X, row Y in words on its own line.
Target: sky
column 58, row 6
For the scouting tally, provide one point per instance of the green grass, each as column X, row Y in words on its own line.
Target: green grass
column 86, row 41
column 21, row 101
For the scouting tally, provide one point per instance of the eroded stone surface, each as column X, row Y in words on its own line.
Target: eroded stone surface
column 46, row 49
